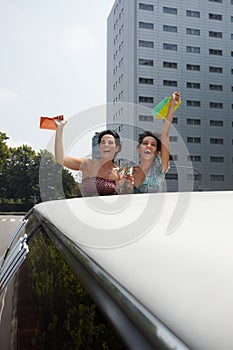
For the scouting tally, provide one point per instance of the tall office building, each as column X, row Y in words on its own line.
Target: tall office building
column 155, row 47
column 95, row 146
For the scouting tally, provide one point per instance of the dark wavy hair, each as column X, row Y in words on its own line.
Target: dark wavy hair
column 110, row 132
column 151, row 134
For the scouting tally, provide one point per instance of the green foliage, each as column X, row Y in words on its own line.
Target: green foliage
column 19, row 172
column 30, row 177
column 4, row 156
column 4, row 151
column 68, row 318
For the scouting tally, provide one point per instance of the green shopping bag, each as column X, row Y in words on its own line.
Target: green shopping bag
column 161, row 109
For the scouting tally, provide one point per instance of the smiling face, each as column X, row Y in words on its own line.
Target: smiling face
column 108, row 147
column 148, row 148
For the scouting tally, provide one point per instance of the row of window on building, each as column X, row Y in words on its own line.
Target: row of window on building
column 212, row 87
column 189, row 49
column 194, row 139
column 173, row 47
column 150, row 81
column 197, row 140
column 198, row 158
column 189, row 31
column 174, row 11
column 171, row 65
column 213, row 177
column 189, row 103
column 197, row 14
column 174, row 65
column 189, row 121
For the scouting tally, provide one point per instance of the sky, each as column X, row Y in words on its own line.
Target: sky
column 52, row 61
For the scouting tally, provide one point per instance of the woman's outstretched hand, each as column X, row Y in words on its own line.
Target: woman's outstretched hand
column 125, row 183
column 60, row 121
column 175, row 98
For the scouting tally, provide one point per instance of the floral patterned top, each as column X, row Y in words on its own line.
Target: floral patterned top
column 154, row 179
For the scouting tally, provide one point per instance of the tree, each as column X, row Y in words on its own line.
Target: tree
column 55, row 182
column 68, row 318
column 4, row 150
column 4, row 156
column 29, row 177
column 19, row 169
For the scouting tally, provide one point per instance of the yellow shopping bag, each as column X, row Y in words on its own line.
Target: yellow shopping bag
column 161, row 109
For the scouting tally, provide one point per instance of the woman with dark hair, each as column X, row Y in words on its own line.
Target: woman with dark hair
column 154, row 154
column 99, row 176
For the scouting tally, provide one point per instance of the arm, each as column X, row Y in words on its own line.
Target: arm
column 69, row 162
column 165, row 143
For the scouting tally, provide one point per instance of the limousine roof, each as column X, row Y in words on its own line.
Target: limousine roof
column 165, row 258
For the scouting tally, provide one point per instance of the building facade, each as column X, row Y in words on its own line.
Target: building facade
column 156, row 47
column 95, row 146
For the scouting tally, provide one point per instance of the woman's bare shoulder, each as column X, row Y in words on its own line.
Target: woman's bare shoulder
column 87, row 162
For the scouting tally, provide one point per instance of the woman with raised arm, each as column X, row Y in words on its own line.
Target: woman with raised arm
column 154, row 153
column 99, row 176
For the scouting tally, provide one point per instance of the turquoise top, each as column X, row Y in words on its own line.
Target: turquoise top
column 154, row 179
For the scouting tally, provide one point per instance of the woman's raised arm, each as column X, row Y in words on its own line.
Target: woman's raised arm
column 165, row 143
column 68, row 162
